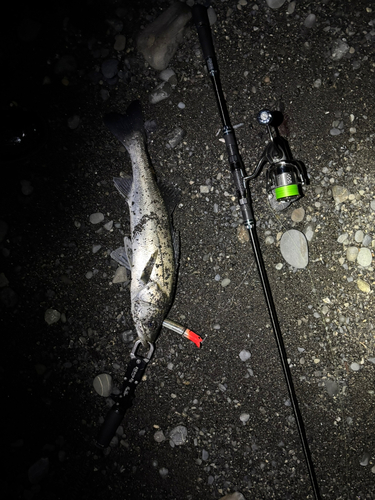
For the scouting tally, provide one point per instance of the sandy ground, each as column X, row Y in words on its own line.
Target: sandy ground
column 268, row 58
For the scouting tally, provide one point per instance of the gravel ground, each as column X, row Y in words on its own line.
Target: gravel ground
column 241, row 433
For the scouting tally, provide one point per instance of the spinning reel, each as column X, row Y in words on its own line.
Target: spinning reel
column 284, row 176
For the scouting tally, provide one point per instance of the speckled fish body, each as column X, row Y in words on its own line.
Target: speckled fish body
column 153, row 260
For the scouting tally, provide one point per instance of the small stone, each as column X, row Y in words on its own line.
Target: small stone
column 120, row 42
column 275, row 4
column 342, row 238
column 205, row 455
column 163, row 472
column 121, row 275
column 245, row 355
column 103, row 384
column 364, row 459
column 364, row 257
column 96, row 248
column 363, row 286
column 243, row 234
column 355, row 367
column 340, row 194
column 168, row 75
column 294, row 249
column 204, row 189
column 332, row 387
column 298, row 214
column 26, row 187
column 310, row 21
column 109, row 225
column 161, row 92
column 96, row 218
column 51, row 316
column 244, row 417
column 159, row 436
column 178, row 435
column 73, row 122
column 181, row 105
column 352, row 254
column 225, row 282
column 359, row 236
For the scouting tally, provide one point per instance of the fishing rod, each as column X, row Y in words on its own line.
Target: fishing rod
column 284, row 179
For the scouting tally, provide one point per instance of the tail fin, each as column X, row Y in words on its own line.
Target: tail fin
column 125, row 126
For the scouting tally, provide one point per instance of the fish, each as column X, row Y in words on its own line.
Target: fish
column 151, row 252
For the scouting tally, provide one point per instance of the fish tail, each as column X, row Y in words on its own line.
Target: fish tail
column 124, row 127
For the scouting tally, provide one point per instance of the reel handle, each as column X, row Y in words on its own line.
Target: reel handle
column 202, row 24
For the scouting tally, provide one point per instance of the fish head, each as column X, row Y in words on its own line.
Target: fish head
column 148, row 310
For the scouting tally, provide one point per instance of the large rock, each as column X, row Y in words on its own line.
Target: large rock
column 159, row 41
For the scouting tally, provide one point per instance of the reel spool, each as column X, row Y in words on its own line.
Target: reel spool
column 284, row 176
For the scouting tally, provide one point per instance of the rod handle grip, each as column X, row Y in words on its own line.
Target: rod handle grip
column 108, row 429
column 202, row 24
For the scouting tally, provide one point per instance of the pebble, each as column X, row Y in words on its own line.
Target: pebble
column 159, row 436
column 26, row 187
column 342, row 238
column 233, row 496
column 103, row 384
column 225, row 282
column 335, row 131
column 294, row 249
column 204, row 189
column 310, row 21
column 168, row 75
column 291, row 7
column 109, row 225
column 359, row 236
column 372, row 205
column 159, row 41
column 205, row 455
column 244, row 417
column 51, row 316
column 363, row 286
column 364, row 257
column 121, row 275
column 339, row 49
column 309, row 232
column 355, row 367
column 96, row 218
column 298, row 214
column 245, row 355
column 364, row 459
column 332, row 387
column 275, row 4
column 73, row 122
column 181, row 105
column 163, row 472
column 352, row 254
column 340, row 194
column 175, row 137
column 120, row 42
column 161, row 92
column 178, row 435
column 96, row 248
column 109, row 68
